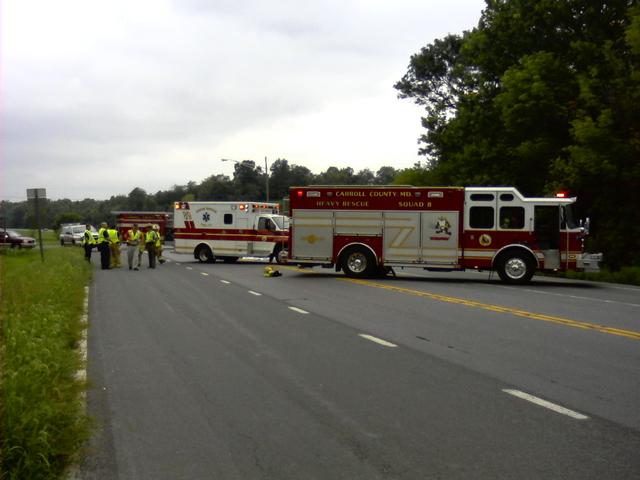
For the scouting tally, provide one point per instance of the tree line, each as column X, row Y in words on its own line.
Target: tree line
column 543, row 95
column 248, row 182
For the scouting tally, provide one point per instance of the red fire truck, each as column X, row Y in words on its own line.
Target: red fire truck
column 366, row 230
column 125, row 221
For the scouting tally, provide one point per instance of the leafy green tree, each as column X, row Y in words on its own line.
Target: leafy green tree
column 282, row 176
column 137, row 199
column 418, row 175
column 540, row 95
column 336, row 176
column 385, row 176
column 215, row 187
column 68, row 217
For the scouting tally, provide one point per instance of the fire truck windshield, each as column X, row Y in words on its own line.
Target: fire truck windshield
column 568, row 217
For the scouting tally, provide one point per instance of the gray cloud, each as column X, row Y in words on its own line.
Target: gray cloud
column 97, row 92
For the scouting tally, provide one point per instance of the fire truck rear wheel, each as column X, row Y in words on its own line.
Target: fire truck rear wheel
column 204, row 254
column 515, row 267
column 358, row 262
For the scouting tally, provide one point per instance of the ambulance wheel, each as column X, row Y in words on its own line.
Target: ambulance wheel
column 230, row 259
column 515, row 267
column 280, row 255
column 357, row 262
column 204, row 254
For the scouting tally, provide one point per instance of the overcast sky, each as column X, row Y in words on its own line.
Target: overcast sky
column 100, row 97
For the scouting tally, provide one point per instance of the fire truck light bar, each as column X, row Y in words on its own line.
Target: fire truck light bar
column 561, row 195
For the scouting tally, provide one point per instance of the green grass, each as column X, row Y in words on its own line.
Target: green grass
column 42, row 416
column 628, row 275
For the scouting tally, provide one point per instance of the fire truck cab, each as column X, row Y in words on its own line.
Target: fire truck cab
column 366, row 230
column 230, row 230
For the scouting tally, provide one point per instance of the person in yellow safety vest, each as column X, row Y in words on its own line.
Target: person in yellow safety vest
column 88, row 242
column 114, row 245
column 159, row 245
column 141, row 247
column 103, row 246
column 151, row 240
column 134, row 237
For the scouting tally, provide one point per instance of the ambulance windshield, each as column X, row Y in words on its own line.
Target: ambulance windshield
column 281, row 221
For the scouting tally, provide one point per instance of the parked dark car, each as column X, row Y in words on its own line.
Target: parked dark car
column 12, row 239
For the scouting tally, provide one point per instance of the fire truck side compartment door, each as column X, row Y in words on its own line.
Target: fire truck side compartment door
column 440, row 238
column 401, row 237
column 358, row 223
column 312, row 234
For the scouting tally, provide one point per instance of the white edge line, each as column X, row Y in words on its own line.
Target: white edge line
column 205, row 274
column 189, row 268
column 546, row 404
column 299, row 310
column 255, row 293
column 377, row 340
column 225, row 281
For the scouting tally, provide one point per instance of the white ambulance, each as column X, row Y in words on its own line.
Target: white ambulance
column 230, row 230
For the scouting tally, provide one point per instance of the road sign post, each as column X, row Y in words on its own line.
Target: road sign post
column 37, row 194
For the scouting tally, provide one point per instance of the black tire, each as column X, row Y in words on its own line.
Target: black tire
column 382, row 272
column 280, row 255
column 358, row 262
column 204, row 254
column 515, row 267
column 230, row 259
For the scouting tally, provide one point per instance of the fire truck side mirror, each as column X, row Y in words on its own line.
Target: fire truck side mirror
column 584, row 226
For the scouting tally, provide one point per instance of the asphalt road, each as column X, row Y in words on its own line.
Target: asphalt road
column 212, row 371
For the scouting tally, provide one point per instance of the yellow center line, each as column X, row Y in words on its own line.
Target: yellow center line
column 497, row 308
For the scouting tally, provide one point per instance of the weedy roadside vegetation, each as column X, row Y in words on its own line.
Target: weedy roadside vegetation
column 626, row 275
column 42, row 416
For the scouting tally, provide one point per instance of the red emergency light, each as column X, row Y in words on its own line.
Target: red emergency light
column 561, row 195
column 300, row 193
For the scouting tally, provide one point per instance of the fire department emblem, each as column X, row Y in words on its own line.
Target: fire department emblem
column 312, row 239
column 443, row 226
column 485, row 240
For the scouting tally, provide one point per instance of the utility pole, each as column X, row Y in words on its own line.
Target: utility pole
column 266, row 171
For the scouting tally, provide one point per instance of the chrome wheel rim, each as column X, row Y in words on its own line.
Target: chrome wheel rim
column 515, row 268
column 357, row 262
